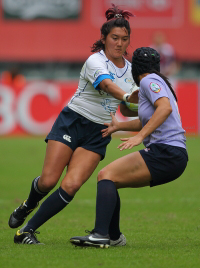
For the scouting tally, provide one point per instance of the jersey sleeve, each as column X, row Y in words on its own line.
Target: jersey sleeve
column 96, row 71
column 154, row 89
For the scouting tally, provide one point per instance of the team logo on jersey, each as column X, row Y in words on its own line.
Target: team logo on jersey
column 155, row 87
column 128, row 80
column 106, row 105
column 97, row 73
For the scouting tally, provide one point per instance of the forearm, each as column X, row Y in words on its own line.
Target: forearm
column 133, row 125
column 159, row 116
column 115, row 91
column 112, row 89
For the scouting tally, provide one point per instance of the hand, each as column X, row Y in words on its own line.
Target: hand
column 130, row 142
column 111, row 127
column 133, row 98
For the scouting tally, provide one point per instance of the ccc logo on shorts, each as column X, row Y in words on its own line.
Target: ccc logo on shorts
column 67, row 138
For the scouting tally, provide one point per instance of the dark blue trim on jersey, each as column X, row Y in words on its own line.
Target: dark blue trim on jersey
column 99, row 79
column 102, row 54
column 127, row 63
column 78, row 94
column 119, row 68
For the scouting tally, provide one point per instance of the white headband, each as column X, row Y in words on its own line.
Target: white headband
column 118, row 16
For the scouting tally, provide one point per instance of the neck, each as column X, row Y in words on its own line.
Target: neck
column 142, row 76
column 119, row 62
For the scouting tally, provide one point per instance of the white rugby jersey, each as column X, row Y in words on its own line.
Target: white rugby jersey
column 87, row 99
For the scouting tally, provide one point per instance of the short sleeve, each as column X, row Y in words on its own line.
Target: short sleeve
column 96, row 70
column 153, row 88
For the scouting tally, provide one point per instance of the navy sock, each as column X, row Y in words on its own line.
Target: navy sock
column 105, row 206
column 50, row 207
column 35, row 195
column 114, row 228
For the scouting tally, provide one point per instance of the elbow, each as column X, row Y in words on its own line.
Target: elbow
column 106, row 88
column 169, row 110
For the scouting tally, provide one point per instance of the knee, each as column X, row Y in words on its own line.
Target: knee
column 103, row 175
column 46, row 183
column 71, row 186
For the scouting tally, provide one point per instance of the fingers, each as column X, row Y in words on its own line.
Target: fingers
column 122, row 144
column 125, row 145
column 105, row 134
column 104, row 130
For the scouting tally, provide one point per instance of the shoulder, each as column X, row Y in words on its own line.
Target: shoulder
column 96, row 59
column 151, row 78
column 97, row 56
column 153, row 83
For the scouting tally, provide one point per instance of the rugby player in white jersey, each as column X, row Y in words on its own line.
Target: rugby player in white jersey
column 75, row 139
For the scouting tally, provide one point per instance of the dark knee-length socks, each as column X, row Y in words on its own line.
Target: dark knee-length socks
column 114, row 228
column 105, row 206
column 50, row 207
column 35, row 195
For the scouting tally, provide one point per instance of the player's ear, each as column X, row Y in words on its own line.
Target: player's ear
column 103, row 39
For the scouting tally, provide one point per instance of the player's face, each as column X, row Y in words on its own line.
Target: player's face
column 116, row 43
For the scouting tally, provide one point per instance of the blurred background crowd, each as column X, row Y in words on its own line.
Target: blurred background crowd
column 45, row 43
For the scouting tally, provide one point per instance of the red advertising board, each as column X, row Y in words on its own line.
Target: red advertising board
column 70, row 39
column 33, row 108
column 149, row 13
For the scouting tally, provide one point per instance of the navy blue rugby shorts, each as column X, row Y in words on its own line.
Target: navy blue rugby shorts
column 74, row 130
column 165, row 162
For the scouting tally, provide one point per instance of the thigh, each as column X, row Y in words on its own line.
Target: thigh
column 127, row 171
column 81, row 166
column 57, row 157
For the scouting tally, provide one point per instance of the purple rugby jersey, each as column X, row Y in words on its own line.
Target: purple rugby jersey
column 153, row 87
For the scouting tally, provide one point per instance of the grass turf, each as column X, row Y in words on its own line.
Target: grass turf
column 162, row 224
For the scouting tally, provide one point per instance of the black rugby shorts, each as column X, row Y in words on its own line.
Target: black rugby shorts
column 165, row 162
column 74, row 130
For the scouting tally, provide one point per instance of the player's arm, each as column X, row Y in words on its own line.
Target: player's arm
column 133, row 125
column 125, row 111
column 163, row 110
column 111, row 88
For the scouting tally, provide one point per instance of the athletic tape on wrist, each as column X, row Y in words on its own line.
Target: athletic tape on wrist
column 125, row 97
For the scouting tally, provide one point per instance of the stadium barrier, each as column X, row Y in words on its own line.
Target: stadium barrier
column 32, row 109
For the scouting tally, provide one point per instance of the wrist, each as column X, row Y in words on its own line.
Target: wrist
column 125, row 97
column 141, row 134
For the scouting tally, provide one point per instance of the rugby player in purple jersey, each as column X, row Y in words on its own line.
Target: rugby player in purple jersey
column 159, row 128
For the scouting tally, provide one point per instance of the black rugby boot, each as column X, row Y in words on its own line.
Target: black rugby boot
column 19, row 215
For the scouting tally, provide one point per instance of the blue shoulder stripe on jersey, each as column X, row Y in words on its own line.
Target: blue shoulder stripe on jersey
column 123, row 102
column 99, row 79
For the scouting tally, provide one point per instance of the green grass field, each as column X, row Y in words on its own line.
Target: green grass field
column 162, row 224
